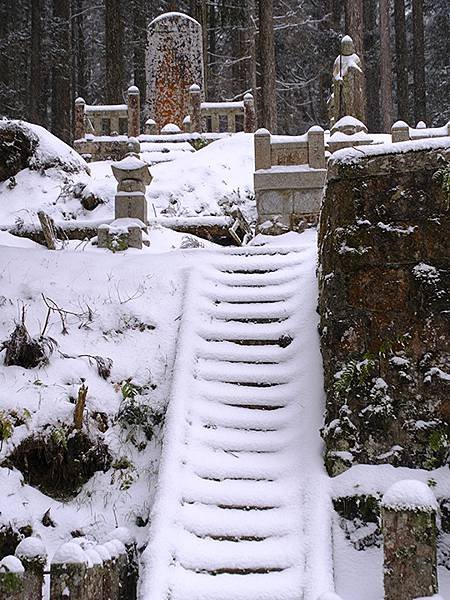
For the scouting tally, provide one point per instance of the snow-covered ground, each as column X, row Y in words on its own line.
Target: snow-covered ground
column 203, row 183
column 128, row 307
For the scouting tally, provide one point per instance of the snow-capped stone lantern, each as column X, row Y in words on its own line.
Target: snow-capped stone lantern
column 126, row 231
column 347, row 96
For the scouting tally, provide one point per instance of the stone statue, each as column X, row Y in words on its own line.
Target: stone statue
column 347, row 98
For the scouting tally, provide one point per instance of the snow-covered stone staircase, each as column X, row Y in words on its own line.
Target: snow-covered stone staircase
column 229, row 519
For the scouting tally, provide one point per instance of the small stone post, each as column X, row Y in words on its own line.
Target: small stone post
column 11, row 579
column 249, row 114
column 195, row 104
column 408, row 512
column 80, row 130
column 32, row 554
column 150, row 127
column 129, row 563
column 132, row 175
column 263, row 158
column 400, row 132
column 134, row 111
column 68, row 573
column 316, row 148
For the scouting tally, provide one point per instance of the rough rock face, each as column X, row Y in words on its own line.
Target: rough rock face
column 24, row 145
column 384, row 307
column 174, row 63
column 17, row 145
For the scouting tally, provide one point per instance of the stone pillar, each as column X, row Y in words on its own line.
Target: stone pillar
column 249, row 114
column 150, row 127
column 408, row 513
column 11, row 579
column 262, row 150
column 134, row 111
column 32, row 554
column 195, row 108
column 79, row 130
column 68, row 573
column 316, row 148
column 400, row 132
column 129, row 563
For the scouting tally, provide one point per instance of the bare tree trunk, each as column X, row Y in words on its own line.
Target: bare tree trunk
column 199, row 11
column 251, row 44
column 114, row 42
column 212, row 51
column 385, row 65
column 401, row 60
column 371, row 65
column 80, row 76
column 420, row 102
column 268, row 102
column 36, row 100
column 139, row 44
column 61, row 72
column 354, row 12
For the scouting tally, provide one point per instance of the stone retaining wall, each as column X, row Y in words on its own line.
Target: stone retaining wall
column 384, row 299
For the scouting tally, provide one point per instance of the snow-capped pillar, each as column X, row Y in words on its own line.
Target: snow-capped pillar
column 80, row 130
column 68, row 573
column 263, row 158
column 195, row 108
column 249, row 114
column 408, row 513
column 150, row 127
column 12, row 579
column 128, row 562
column 316, row 148
column 134, row 111
column 400, row 132
column 33, row 556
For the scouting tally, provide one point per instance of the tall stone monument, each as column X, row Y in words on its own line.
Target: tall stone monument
column 347, row 98
column 174, row 62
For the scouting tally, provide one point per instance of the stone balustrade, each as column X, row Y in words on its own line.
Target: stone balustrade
column 289, row 178
column 402, row 132
column 108, row 120
column 79, row 569
column 214, row 117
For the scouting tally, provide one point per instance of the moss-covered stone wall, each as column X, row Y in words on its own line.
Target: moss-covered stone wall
column 384, row 280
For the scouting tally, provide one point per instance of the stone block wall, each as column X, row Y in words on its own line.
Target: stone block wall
column 384, row 307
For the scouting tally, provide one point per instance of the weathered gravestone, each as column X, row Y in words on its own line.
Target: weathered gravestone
column 174, row 63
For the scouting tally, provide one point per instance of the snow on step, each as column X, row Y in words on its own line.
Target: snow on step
column 228, row 522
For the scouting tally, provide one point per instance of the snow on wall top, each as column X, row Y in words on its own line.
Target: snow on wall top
column 353, row 155
column 409, row 494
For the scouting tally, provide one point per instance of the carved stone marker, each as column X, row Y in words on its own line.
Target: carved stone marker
column 174, row 63
column 408, row 513
column 347, row 96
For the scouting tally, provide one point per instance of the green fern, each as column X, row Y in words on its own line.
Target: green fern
column 442, row 177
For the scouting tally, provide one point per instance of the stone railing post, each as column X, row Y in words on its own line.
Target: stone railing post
column 150, row 127
column 32, row 554
column 263, row 158
column 249, row 114
column 129, row 563
column 134, row 111
column 195, row 108
column 12, row 579
column 316, row 148
column 68, row 573
column 408, row 512
column 400, row 132
column 79, row 125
